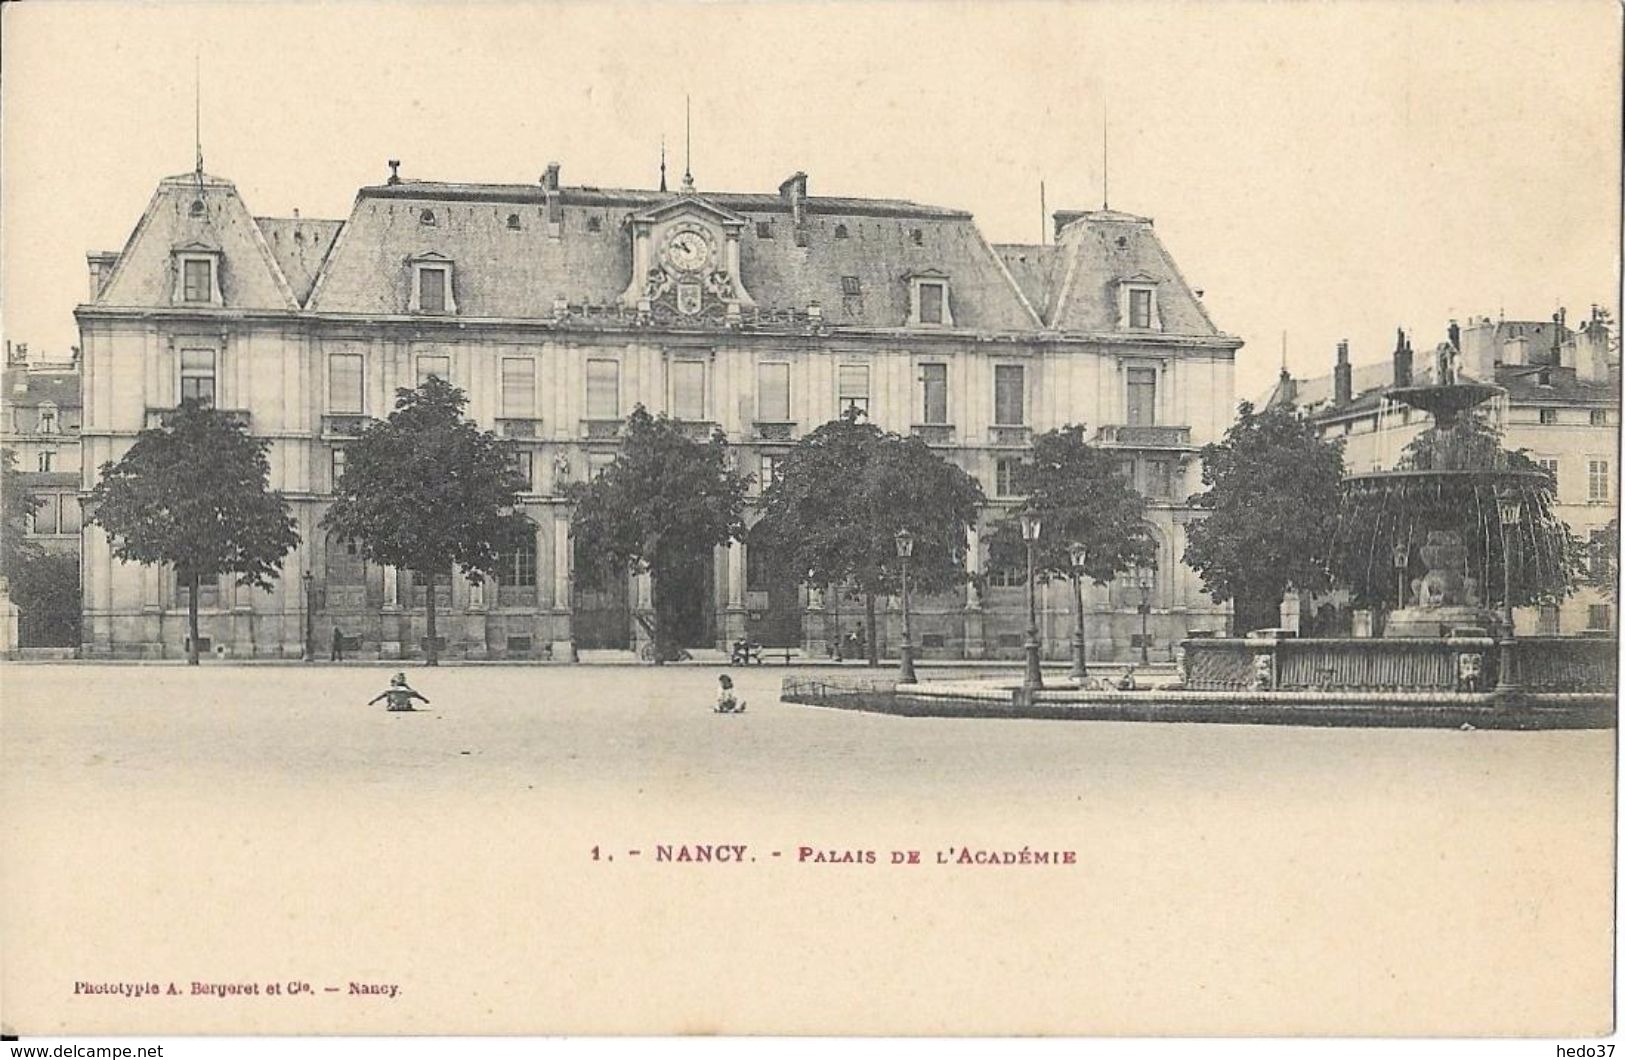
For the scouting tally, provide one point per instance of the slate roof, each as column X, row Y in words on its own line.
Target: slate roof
column 59, row 388
column 299, row 245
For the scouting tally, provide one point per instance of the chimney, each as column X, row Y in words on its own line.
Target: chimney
column 17, row 354
column 1402, row 359
column 1343, row 376
column 101, row 269
column 1591, row 355
column 1454, row 334
column 555, row 208
column 794, row 192
column 550, row 179
column 394, row 171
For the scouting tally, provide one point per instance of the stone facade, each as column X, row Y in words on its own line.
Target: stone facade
column 558, row 309
column 39, row 423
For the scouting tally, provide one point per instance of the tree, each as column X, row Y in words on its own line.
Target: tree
column 426, row 489
column 1273, row 486
column 663, row 504
column 195, row 493
column 845, row 491
column 1078, row 491
column 18, row 503
column 46, row 592
column 1604, row 560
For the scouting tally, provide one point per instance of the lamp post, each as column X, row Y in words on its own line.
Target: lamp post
column 1145, row 615
column 1510, row 507
column 1402, row 563
column 905, row 660
column 310, row 616
column 1079, row 555
column 1031, row 525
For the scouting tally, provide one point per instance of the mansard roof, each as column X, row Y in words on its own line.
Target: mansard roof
column 511, row 262
column 197, row 211
column 299, row 245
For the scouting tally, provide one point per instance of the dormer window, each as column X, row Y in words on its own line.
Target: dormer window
column 930, row 306
column 432, row 290
column 1137, row 304
column 427, row 218
column 197, row 275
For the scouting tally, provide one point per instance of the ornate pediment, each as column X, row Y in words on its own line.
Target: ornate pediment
column 688, row 203
column 685, row 261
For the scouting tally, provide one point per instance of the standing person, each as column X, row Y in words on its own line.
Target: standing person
column 399, row 694
column 338, row 645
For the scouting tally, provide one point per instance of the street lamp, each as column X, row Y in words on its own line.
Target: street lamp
column 1032, row 525
column 1080, row 555
column 1510, row 508
column 905, row 662
column 1145, row 615
column 310, row 616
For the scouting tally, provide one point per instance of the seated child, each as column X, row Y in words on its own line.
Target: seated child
column 399, row 694
column 1126, row 683
column 727, row 702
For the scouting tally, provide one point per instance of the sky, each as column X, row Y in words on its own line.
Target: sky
column 1321, row 170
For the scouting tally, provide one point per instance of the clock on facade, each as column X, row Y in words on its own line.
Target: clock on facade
column 688, row 250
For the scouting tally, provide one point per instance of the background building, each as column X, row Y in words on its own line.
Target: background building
column 39, row 423
column 1561, row 406
column 557, row 309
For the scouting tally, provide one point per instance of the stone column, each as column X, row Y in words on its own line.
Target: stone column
column 474, row 621
column 733, row 624
column 814, row 639
column 564, row 648
column 389, row 628
column 975, row 635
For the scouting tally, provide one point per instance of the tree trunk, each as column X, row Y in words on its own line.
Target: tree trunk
column 432, row 649
column 834, row 592
column 193, row 585
column 874, row 634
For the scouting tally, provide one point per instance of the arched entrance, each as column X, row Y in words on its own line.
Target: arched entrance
column 601, row 611
column 773, row 612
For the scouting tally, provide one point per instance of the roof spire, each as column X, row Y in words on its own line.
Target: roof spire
column 197, row 111
column 1043, row 216
column 688, row 145
column 1105, row 156
column 662, row 161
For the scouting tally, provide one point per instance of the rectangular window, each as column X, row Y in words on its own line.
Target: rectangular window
column 756, row 569
column 437, row 365
column 338, row 467
column 1139, row 309
column 931, row 297
column 1007, row 477
column 934, row 389
column 198, row 285
column 688, row 390
column 598, row 463
column 518, row 387
column 770, row 466
column 1142, row 397
column 1597, row 480
column 1597, row 552
column 1548, row 416
column 603, row 390
column 1159, row 477
column 432, row 290
column 524, row 462
column 45, row 521
column 851, row 285
column 1009, row 395
column 71, row 519
column 1599, row 417
column 773, row 393
column 47, row 460
column 1599, row 616
column 197, row 376
column 852, row 387
column 517, row 568
column 344, row 382
column 1549, row 465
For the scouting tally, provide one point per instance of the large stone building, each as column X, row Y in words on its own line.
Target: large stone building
column 39, row 423
column 1560, row 404
column 557, row 309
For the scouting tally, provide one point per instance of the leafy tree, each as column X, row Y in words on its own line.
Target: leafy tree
column 18, row 503
column 46, row 592
column 1273, row 487
column 845, row 491
column 665, row 502
column 426, row 489
column 1379, row 513
column 195, row 493
column 1604, row 561
column 1078, row 491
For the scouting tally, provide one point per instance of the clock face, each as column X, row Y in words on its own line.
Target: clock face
column 688, row 251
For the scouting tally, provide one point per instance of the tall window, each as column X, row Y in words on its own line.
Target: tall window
column 1599, row 616
column 524, row 462
column 437, row 365
column 1549, row 465
column 47, row 418
column 772, row 464
column 71, row 514
column 773, row 393
column 1159, row 477
column 518, row 568
column 44, row 517
column 934, row 389
column 852, row 388
column 47, row 460
column 197, row 280
column 1009, row 394
column 1142, row 396
column 603, row 390
column 931, row 299
column 344, row 382
column 197, row 376
column 1597, row 480
column 1598, row 548
column 338, row 466
column 688, row 390
column 432, row 290
column 518, row 387
column 1139, row 308
column 1007, row 477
